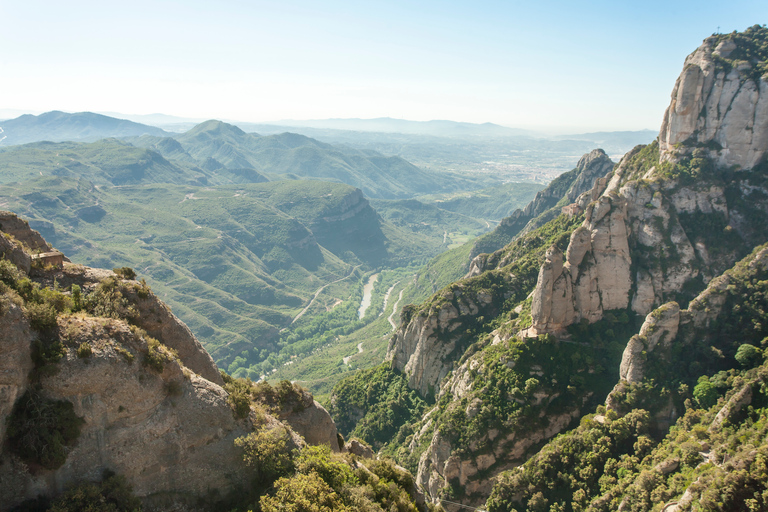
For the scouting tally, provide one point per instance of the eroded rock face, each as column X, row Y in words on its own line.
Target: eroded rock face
column 716, row 106
column 595, row 275
column 417, row 350
column 660, row 326
column 15, row 359
column 168, row 432
column 312, row 422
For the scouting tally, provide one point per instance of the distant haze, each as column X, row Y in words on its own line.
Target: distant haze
column 566, row 67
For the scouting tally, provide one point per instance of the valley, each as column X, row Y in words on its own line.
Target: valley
column 349, row 317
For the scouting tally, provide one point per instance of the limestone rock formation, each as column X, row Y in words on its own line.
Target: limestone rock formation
column 660, row 326
column 15, row 359
column 147, row 393
column 595, row 275
column 566, row 188
column 720, row 101
column 311, row 421
column 428, row 341
column 165, row 432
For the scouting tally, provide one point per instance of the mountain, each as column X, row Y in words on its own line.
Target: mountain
column 389, row 125
column 223, row 148
column 60, row 126
column 644, row 304
column 237, row 263
column 110, row 403
column 548, row 203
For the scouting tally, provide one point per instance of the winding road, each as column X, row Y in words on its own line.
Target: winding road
column 320, row 290
column 394, row 310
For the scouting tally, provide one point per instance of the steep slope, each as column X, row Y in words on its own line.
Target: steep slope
column 105, row 162
column 545, row 206
column 513, row 358
column 293, row 155
column 59, row 126
column 100, row 382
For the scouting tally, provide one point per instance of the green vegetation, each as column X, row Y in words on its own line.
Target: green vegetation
column 446, row 228
column 229, row 261
column 41, row 430
column 384, row 397
column 751, row 47
column 113, row 494
column 493, row 203
column 634, row 459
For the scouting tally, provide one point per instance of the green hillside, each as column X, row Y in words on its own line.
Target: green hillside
column 494, row 202
column 219, row 147
column 236, row 263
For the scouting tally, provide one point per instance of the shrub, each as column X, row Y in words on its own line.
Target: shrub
column 125, row 272
column 84, row 350
column 267, row 452
column 77, row 298
column 749, row 355
column 157, row 354
column 319, row 460
column 114, row 494
column 42, row 316
column 302, row 493
column 40, row 430
column 239, row 396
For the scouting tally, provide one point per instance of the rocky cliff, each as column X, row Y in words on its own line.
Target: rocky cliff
column 656, row 230
column 720, row 102
column 546, row 205
column 147, row 400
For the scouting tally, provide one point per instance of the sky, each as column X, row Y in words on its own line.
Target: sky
column 547, row 65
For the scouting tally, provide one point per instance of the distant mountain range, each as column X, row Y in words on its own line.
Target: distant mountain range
column 439, row 128
column 60, row 126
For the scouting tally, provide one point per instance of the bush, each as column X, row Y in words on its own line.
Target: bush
column 125, row 272
column 319, row 460
column 42, row 317
column 749, row 355
column 267, row 452
column 302, row 493
column 84, row 350
column 114, row 494
column 239, row 396
column 40, row 430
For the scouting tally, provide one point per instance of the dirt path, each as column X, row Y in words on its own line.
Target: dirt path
column 359, row 351
column 386, row 297
column 394, row 310
column 320, row 290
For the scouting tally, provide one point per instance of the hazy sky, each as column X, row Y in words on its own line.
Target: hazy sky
column 585, row 65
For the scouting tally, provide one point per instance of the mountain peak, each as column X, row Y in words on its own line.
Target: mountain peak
column 720, row 101
column 216, row 127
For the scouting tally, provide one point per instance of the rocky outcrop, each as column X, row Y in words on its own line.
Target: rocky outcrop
column 428, row 341
column 660, row 326
column 154, row 316
column 18, row 242
column 719, row 102
column 417, row 349
column 567, row 187
column 165, row 432
column 595, row 274
column 312, row 422
column 15, row 359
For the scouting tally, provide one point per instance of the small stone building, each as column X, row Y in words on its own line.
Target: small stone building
column 44, row 259
column 571, row 209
